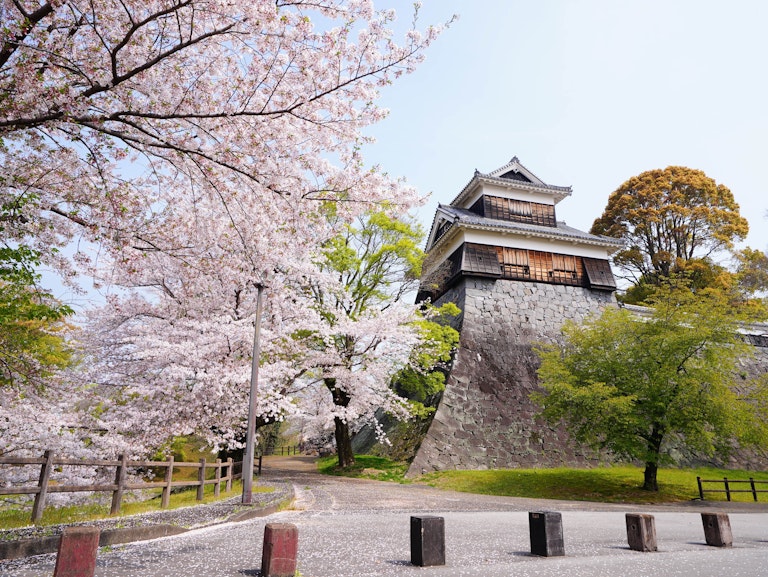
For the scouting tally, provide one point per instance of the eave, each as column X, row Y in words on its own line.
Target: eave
column 530, row 231
column 557, row 192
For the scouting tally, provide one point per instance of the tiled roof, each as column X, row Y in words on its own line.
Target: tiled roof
column 562, row 231
column 560, row 192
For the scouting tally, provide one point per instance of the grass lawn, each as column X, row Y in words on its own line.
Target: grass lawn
column 620, row 484
column 366, row 467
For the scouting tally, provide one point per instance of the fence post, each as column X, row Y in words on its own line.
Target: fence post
column 701, row 491
column 166, row 500
column 754, row 491
column 217, row 485
column 117, row 495
column 727, row 488
column 201, row 480
column 230, row 473
column 42, row 487
column 260, row 459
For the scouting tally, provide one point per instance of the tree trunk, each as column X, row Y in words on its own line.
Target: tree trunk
column 650, row 483
column 652, row 463
column 343, row 444
column 341, row 433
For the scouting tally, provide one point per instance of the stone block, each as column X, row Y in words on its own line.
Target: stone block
column 546, row 529
column 641, row 532
column 281, row 545
column 427, row 540
column 717, row 529
column 77, row 552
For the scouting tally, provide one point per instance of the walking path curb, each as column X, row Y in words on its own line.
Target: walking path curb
column 117, row 536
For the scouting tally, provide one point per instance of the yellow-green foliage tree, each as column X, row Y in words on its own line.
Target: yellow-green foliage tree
column 640, row 386
column 667, row 218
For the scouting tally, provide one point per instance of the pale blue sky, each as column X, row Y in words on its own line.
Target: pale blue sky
column 585, row 93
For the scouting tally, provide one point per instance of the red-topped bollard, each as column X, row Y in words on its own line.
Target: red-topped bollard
column 77, row 552
column 281, row 545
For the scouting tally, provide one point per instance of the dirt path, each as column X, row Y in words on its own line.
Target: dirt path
column 294, row 463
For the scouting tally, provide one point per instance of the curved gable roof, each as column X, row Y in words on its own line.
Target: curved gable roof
column 512, row 175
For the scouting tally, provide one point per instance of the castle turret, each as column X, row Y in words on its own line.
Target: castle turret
column 502, row 225
column 499, row 252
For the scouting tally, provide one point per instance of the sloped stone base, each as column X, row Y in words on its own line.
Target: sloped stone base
column 486, row 419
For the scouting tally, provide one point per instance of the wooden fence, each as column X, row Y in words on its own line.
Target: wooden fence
column 283, row 451
column 727, row 487
column 224, row 472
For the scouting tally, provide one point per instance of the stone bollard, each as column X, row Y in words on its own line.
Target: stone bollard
column 717, row 529
column 281, row 545
column 77, row 552
column 641, row 532
column 427, row 540
column 546, row 529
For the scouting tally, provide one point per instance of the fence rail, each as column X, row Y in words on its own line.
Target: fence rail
column 284, row 451
column 224, row 472
column 728, row 490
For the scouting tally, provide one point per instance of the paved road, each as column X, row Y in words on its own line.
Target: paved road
column 361, row 528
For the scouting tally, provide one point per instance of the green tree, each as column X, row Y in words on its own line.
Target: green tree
column 376, row 262
column 702, row 276
column 752, row 271
column 424, row 378
column 32, row 345
column 667, row 218
column 639, row 386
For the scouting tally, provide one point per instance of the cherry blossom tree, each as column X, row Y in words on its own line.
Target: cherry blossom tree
column 186, row 149
column 174, row 356
column 112, row 110
column 364, row 334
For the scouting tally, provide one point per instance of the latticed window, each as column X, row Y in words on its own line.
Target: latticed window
column 514, row 262
column 564, row 268
column 515, row 210
column 541, row 266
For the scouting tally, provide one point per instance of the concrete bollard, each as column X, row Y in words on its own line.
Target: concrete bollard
column 281, row 545
column 427, row 540
column 717, row 529
column 546, row 529
column 77, row 552
column 641, row 532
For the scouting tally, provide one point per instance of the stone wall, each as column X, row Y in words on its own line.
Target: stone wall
column 485, row 419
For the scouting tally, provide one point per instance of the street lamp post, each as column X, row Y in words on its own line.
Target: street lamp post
column 251, row 432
